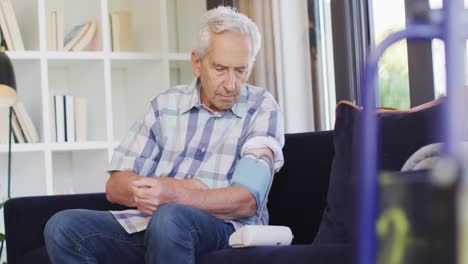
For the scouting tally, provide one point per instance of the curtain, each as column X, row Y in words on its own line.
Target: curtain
column 283, row 65
column 263, row 74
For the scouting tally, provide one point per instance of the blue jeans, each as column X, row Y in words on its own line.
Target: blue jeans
column 175, row 234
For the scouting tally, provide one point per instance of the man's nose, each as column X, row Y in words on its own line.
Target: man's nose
column 230, row 80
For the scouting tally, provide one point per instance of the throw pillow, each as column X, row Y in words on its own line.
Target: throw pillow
column 401, row 134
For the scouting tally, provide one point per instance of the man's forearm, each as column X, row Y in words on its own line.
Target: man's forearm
column 118, row 188
column 228, row 203
column 130, row 189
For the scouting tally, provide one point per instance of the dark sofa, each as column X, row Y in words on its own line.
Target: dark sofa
column 297, row 199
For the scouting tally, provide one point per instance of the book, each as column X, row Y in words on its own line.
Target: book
column 74, row 36
column 5, row 31
column 53, row 133
column 52, row 31
column 4, row 124
column 115, row 34
column 121, row 31
column 95, row 43
column 69, row 118
column 26, row 123
column 59, row 111
column 18, row 133
column 50, row 41
column 55, row 31
column 88, row 36
column 3, row 45
column 125, row 31
column 81, row 119
column 59, row 30
column 21, row 123
column 12, row 23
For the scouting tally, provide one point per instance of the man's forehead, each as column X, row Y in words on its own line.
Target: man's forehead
column 229, row 48
column 235, row 60
column 221, row 64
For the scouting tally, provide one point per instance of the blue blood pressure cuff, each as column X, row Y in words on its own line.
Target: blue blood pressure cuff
column 255, row 174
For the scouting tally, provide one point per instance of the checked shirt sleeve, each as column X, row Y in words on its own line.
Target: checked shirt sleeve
column 267, row 130
column 139, row 148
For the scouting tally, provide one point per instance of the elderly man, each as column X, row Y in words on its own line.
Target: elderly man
column 197, row 166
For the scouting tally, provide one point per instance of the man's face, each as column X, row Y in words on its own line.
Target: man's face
column 223, row 70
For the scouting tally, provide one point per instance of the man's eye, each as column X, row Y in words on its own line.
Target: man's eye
column 241, row 71
column 219, row 69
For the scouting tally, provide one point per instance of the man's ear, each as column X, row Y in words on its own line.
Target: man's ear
column 196, row 64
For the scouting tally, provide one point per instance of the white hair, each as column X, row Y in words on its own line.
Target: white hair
column 226, row 19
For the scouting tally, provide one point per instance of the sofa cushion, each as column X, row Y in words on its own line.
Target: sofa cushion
column 36, row 256
column 19, row 224
column 298, row 194
column 401, row 134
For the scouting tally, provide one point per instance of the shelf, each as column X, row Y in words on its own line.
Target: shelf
column 76, row 12
column 179, row 56
column 72, row 55
column 67, row 78
column 24, row 55
column 117, row 86
column 29, row 89
column 79, row 171
column 116, row 56
column 72, row 146
column 27, row 147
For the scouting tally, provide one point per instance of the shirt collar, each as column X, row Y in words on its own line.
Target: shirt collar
column 239, row 109
column 194, row 100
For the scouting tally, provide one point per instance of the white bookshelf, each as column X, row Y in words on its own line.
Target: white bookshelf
column 117, row 86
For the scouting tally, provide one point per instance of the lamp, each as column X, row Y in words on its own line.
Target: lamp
column 7, row 99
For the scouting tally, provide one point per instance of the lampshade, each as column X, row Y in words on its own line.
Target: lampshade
column 7, row 81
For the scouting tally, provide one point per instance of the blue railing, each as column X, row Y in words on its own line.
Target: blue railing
column 449, row 26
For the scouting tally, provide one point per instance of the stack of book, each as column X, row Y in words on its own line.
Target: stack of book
column 70, row 118
column 22, row 126
column 10, row 34
column 121, row 31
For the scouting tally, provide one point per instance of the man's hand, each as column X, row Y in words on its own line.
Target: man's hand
column 150, row 193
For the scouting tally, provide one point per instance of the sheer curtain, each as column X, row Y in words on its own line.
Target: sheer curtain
column 283, row 63
column 264, row 73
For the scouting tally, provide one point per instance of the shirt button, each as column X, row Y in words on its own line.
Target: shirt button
column 203, row 149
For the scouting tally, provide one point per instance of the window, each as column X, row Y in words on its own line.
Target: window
column 389, row 17
column 438, row 55
column 322, row 65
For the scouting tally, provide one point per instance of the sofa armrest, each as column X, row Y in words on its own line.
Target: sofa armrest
column 26, row 217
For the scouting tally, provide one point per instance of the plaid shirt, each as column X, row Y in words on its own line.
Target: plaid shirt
column 180, row 137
